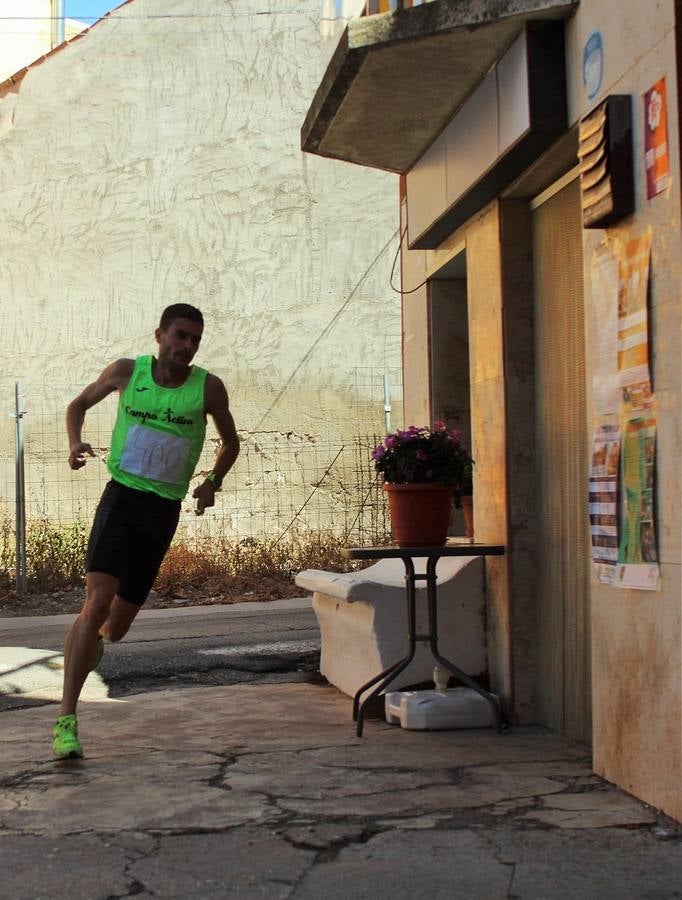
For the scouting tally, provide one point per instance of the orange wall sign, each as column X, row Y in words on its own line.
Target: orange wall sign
column 656, row 156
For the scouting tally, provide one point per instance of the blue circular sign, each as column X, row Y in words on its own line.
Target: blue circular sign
column 593, row 64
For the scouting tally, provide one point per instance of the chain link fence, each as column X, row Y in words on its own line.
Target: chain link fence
column 285, row 486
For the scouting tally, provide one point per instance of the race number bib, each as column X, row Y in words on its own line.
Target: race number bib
column 153, row 454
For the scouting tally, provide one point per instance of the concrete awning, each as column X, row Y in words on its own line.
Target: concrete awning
column 396, row 79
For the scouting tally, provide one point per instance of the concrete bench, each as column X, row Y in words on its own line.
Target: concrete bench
column 363, row 620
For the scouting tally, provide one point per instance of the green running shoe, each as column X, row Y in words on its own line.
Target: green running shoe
column 65, row 743
column 100, row 652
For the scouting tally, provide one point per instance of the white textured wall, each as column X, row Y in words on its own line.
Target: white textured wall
column 157, row 160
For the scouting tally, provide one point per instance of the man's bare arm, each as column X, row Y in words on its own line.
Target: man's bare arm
column 114, row 378
column 218, row 407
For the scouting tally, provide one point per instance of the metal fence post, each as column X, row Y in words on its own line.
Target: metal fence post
column 387, row 404
column 20, row 490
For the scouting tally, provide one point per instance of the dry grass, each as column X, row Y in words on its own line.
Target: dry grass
column 223, row 566
column 220, row 568
column 54, row 555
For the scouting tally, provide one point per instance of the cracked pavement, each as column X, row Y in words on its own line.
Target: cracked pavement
column 263, row 790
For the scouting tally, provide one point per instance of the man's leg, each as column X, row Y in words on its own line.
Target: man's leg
column 121, row 616
column 81, row 643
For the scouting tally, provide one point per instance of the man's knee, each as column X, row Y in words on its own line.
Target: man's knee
column 100, row 590
column 95, row 610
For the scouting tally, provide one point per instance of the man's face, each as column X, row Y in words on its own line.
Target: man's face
column 179, row 342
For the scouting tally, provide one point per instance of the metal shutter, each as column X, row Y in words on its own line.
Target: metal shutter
column 562, row 466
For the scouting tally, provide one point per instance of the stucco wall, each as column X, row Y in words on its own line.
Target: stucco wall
column 637, row 636
column 157, row 160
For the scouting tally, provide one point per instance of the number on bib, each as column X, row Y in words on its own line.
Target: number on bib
column 155, row 455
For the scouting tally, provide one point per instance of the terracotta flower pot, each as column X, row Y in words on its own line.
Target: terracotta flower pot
column 420, row 513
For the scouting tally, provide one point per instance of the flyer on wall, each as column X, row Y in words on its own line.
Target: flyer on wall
column 637, row 555
column 604, row 501
column 637, row 565
column 656, row 155
column 604, row 332
column 633, row 327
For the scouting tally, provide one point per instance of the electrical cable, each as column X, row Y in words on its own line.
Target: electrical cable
column 326, row 330
column 121, row 18
column 395, row 260
column 311, row 495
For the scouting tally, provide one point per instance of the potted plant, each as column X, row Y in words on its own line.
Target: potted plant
column 424, row 470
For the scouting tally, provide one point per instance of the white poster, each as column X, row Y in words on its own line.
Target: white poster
column 604, row 331
column 604, row 501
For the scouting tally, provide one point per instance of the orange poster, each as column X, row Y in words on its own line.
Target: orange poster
column 656, row 156
column 633, row 328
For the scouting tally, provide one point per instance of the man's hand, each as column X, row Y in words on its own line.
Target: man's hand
column 204, row 494
column 77, row 458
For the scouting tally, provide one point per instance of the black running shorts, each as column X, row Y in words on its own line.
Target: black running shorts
column 130, row 536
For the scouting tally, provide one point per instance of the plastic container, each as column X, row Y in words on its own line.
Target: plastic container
column 439, row 709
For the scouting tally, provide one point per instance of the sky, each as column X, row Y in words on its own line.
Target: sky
column 89, row 10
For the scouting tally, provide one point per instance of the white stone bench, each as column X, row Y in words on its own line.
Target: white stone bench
column 363, row 620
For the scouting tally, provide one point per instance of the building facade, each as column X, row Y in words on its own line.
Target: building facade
column 155, row 159
column 538, row 147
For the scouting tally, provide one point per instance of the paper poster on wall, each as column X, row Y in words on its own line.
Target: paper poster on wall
column 633, row 331
column 622, row 471
column 656, row 155
column 637, row 555
column 604, row 274
column 604, row 501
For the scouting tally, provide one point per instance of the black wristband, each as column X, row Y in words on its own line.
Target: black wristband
column 215, row 480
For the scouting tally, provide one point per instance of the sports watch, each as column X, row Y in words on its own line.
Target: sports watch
column 215, row 480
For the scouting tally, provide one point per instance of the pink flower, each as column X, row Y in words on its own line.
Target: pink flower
column 455, row 436
column 439, row 425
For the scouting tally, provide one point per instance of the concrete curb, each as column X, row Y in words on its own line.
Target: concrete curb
column 238, row 610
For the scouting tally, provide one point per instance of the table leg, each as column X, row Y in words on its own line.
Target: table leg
column 390, row 671
column 431, row 593
column 386, row 677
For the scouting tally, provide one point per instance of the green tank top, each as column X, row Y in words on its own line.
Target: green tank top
column 158, row 433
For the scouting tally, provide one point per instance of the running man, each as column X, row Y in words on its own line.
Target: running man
column 156, row 442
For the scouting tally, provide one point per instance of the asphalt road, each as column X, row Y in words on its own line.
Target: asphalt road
column 277, row 641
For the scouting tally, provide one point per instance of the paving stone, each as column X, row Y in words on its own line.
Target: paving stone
column 323, row 835
column 594, row 809
column 265, row 791
column 421, row 823
column 456, row 865
column 42, row 868
column 240, row 864
column 611, row 864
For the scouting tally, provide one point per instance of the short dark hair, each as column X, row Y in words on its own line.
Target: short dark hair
column 179, row 311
